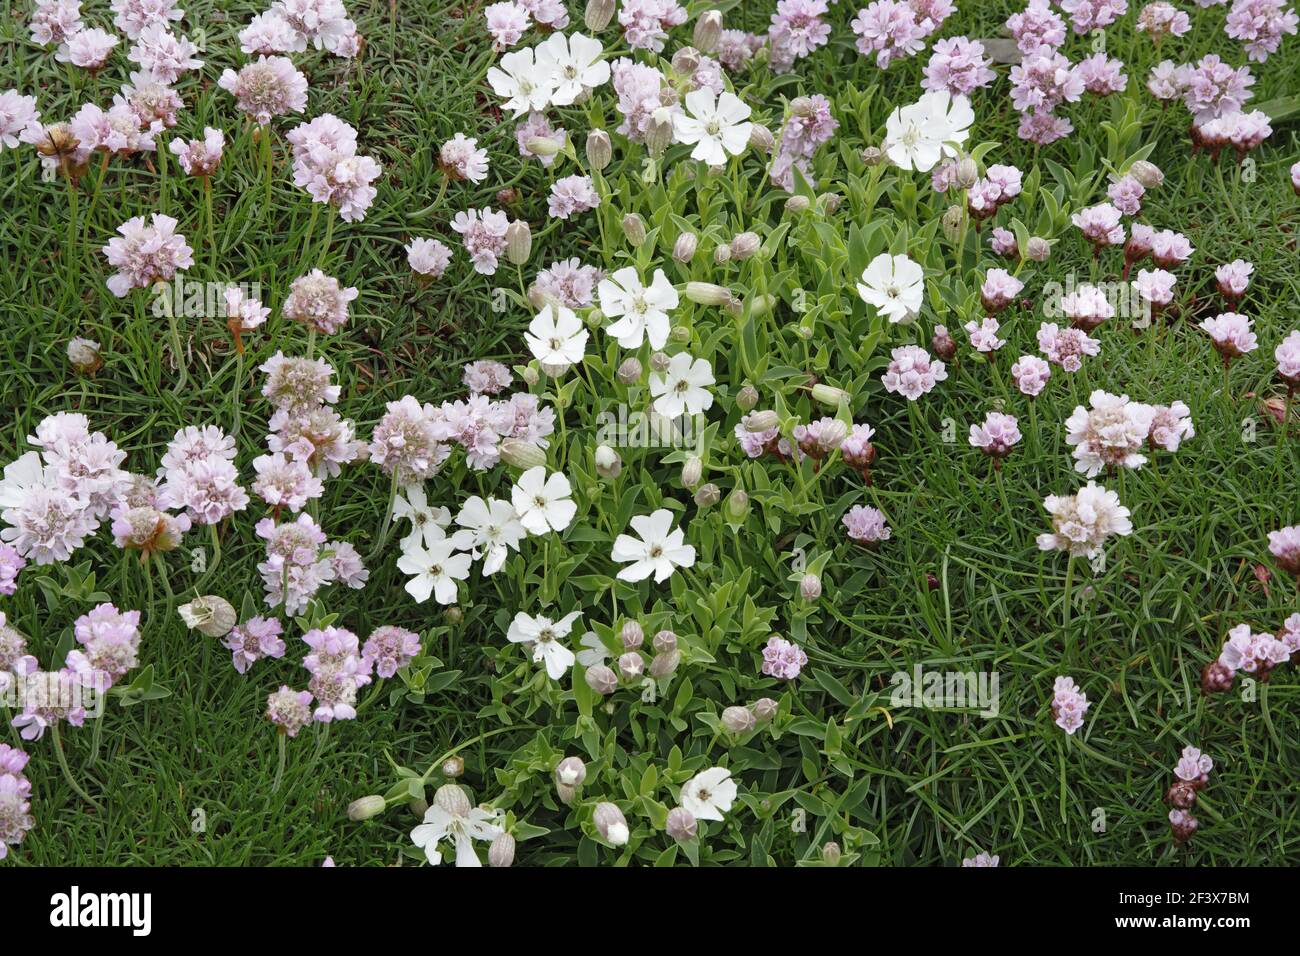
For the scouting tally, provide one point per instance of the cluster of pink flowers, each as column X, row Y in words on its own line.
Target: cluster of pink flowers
column 300, row 560
column 1089, row 15
column 641, row 92
column 998, row 186
column 1110, row 434
column 200, row 157
column 1037, row 28
column 819, row 439
column 337, row 671
column 1159, row 20
column 568, row 282
column 304, row 425
column 484, row 234
column 319, row 302
column 145, row 254
column 289, row 710
column 984, row 336
column 15, row 799
column 1260, row 25
column 1069, row 704
column 253, row 640
column 646, row 23
column 54, row 21
column 428, row 257
column 1101, row 225
column 796, row 30
column 1231, row 333
column 1284, row 545
column 1191, row 774
column 996, row 436
column 460, row 158
column 118, row 131
column 89, row 49
column 958, row 65
column 896, row 29
column 1240, row 131
column 199, row 475
column 866, row 525
column 1066, row 347
column 326, row 164
column 1287, row 355
column 110, row 642
column 268, row 87
column 736, row 48
column 1233, row 278
column 389, row 649
column 11, row 564
column 912, row 372
column 163, row 55
column 290, row 26
column 783, row 659
column 1087, row 307
column 571, row 196
column 1030, row 373
column 809, row 126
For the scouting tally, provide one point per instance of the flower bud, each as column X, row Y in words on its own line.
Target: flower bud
column 744, row 245
column 659, row 361
column 1181, row 795
column 708, row 30
column 722, row 255
column 508, row 196
column 831, row 853
column 873, row 156
column 681, row 825
column 594, row 318
column 810, row 587
column 659, row 131
column 830, row 202
column 692, row 472
column 685, row 246
column 1147, row 173
column 737, row 505
column 706, row 293
column 968, row 172
column 210, row 615
column 634, row 229
column 797, row 204
column 453, row 615
column 803, row 106
column 954, row 218
column 542, row 146
column 760, row 421
column 519, row 242
column 608, row 464
column 631, row 665
column 521, row 454
column 83, row 356
column 501, row 852
column 680, row 334
column 686, row 61
column 706, row 496
column 570, row 772
column 601, row 679
column 630, row 371
column 599, row 150
column 663, row 665
column 943, row 344
column 765, row 709
column 453, row 767
column 738, row 720
column 761, row 138
column 735, row 306
column 1038, row 249
column 366, row 807
column 747, row 398
column 829, row 395
column 598, row 14
column 611, row 824
column 530, row 375
column 632, row 635
column 452, row 798
column 664, row 642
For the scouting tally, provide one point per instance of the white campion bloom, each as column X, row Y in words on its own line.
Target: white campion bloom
column 543, row 503
column 557, row 338
column 412, row 504
column 523, row 83
column 709, row 794
column 460, row 828
column 918, row 135
column 716, row 124
column 684, row 388
column 493, row 530
column 643, row 310
column 435, row 566
column 544, row 635
column 573, row 66
column 895, row 285
column 660, row 550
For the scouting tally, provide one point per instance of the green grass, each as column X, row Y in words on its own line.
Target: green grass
column 932, row 788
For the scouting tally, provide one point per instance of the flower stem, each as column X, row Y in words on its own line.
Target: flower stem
column 282, row 756
column 67, row 772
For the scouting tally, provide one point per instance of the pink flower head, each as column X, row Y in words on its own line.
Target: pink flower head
column 984, row 336
column 389, row 649
column 199, row 157
column 1043, row 128
column 1245, row 650
column 1066, row 347
column 1089, row 15
column 999, row 290
column 290, row 710
column 1003, row 243
column 866, row 525
column 1100, row 225
column 1159, row 20
column 255, row 639
column 1169, row 248
column 162, row 54
column 1233, row 278
column 319, row 301
column 959, row 66
column 1155, row 286
column 270, row 86
column 783, row 659
column 428, row 257
column 1170, row 426
column 267, row 34
column 1287, row 355
column 889, row 29
column 110, row 640
column 117, row 131
column 1260, row 25
column 1284, row 545
column 326, row 164
column 88, row 49
column 1102, row 75
column 145, row 254
column 997, row 436
column 132, row 16
column 571, row 196
column 1069, row 704
column 1232, row 334
column 486, row 377
column 17, row 112
column 1037, row 28
column 484, row 234
column 408, row 440
column 912, row 372
column 1030, row 374
column 534, row 127
column 285, row 482
column 1166, row 81
column 1126, row 193
column 1211, row 88
column 461, row 158
column 53, row 21
column 1193, row 766
column 1110, row 434
column 1087, row 307
column 506, row 23
column 1043, row 81
column 11, row 563
column 646, row 23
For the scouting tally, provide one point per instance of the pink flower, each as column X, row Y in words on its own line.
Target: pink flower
column 1030, row 374
column 1100, row 225
column 118, row 131
column 1068, row 705
column 110, row 640
column 1043, row 81
column 162, row 54
column 486, row 377
column 866, row 525
column 1287, row 354
column 570, row 283
column 199, row 157
column 17, row 112
column 1170, row 426
column 296, row 384
column 207, row 489
column 256, row 638
column 1126, row 193
column 285, row 482
column 1087, row 307
column 997, row 436
column 999, row 290
column 1102, row 75
column 1284, row 545
column 571, row 196
column 641, row 91
column 319, row 23
column 799, row 25
column 297, row 562
column 460, row 158
column 783, row 659
column 484, row 233
column 53, row 21
column 1233, row 278
column 646, row 23
column 408, row 440
column 984, row 336
column 266, row 34
column 319, row 301
column 506, row 23
column 143, row 255
column 290, row 710
column 1109, row 434
column 1003, row 242
column 1166, row 81
column 1231, row 333
column 736, row 48
column 88, row 49
column 1253, row 653
column 1159, row 20
column 389, row 649
column 959, row 66
column 912, row 373
column 1155, row 286
column 428, row 257
column 1260, row 25
column 327, row 166
column 1169, row 248
column 537, row 126
column 1037, row 28
column 1066, row 347
column 1193, row 766
column 1089, row 15
column 132, row 16
column 889, row 29
column 856, row 450
column 11, row 563
column 1043, row 128
column 1211, row 88
column 270, row 86
column 150, row 100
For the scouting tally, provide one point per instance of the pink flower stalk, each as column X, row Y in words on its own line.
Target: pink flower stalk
column 88, row 49
column 1100, row 225
column 866, row 525
column 11, row 564
column 1232, row 334
column 428, row 257
column 1037, row 28
column 484, row 234
column 1159, row 20
column 289, row 710
column 255, row 639
column 408, row 441
column 1069, row 704
column 959, row 66
column 162, row 54
column 144, row 254
column 319, row 302
column 1260, row 25
column 1066, row 347
column 1233, row 278
column 646, row 23
column 572, row 196
column 984, row 336
column 889, row 29
column 1169, row 248
column 912, row 373
column 1211, row 88
column 1087, row 307
column 506, row 23
column 1284, row 545
column 1171, row 425
column 999, row 290
column 270, row 86
column 461, row 159
column 996, row 436
column 1126, row 193
column 389, row 649
column 53, row 21
column 1089, row 15
column 1102, row 75
column 1030, row 373
column 783, row 659
column 1110, row 434
column 200, row 157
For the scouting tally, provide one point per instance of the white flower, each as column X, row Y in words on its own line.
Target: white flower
column 709, row 794
column 895, row 285
column 525, row 85
column 494, row 530
column 543, row 503
column 1082, row 522
column 917, row 135
column 413, row 505
column 544, row 636
column 436, row 566
column 460, row 829
column 596, row 652
column 1112, row 433
column 573, row 66
column 717, row 125
column 644, row 310
column 556, row 338
column 660, row 550
column 683, row 388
